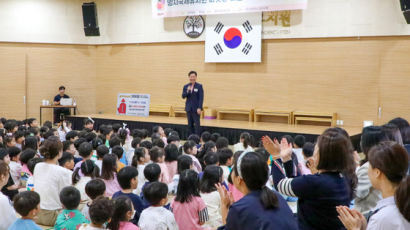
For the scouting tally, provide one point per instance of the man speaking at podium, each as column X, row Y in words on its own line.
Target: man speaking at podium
column 194, row 94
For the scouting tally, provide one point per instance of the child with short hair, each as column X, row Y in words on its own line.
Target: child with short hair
column 123, row 211
column 152, row 173
column 102, row 150
column 119, row 151
column 191, row 150
column 69, row 147
column 140, row 160
column 70, row 218
column 128, row 180
column 158, row 156
column 94, row 188
column 86, row 152
column 307, row 152
column 156, row 216
column 19, row 137
column 225, row 161
column 67, row 161
column 27, row 204
column 101, row 211
column 189, row 209
column 15, row 165
column 184, row 163
column 109, row 174
column 9, row 141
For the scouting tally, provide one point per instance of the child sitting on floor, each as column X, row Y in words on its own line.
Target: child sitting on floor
column 128, row 180
column 188, row 207
column 140, row 160
column 101, row 211
column 123, row 212
column 184, row 163
column 27, row 204
column 156, row 216
column 70, row 218
column 151, row 173
column 94, row 188
column 157, row 155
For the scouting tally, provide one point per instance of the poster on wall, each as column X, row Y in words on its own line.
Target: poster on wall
column 177, row 8
column 233, row 38
column 133, row 104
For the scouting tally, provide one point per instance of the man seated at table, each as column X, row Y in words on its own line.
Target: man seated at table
column 59, row 111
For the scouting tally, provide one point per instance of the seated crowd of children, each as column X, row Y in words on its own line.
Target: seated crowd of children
column 121, row 179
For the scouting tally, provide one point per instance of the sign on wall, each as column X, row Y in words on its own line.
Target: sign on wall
column 176, row 8
column 233, row 38
column 133, row 104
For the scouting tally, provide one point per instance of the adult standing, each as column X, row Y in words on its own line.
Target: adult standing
column 59, row 111
column 194, row 94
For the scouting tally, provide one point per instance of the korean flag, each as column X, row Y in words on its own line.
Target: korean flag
column 233, row 38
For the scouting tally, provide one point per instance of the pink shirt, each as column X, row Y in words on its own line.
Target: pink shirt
column 237, row 195
column 187, row 214
column 303, row 169
column 197, row 166
column 25, row 170
column 172, row 168
column 112, row 186
column 164, row 176
column 128, row 226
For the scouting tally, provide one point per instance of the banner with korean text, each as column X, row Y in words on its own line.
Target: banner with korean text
column 176, row 8
column 133, row 104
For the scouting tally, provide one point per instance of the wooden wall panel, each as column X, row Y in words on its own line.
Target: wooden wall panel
column 12, row 83
column 44, row 68
column 336, row 75
column 52, row 66
column 346, row 75
column 395, row 80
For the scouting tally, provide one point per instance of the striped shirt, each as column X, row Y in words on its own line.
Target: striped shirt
column 318, row 195
column 188, row 215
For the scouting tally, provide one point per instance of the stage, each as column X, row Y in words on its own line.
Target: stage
column 227, row 128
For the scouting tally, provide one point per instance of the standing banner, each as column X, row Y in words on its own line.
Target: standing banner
column 234, row 38
column 176, row 8
column 133, row 104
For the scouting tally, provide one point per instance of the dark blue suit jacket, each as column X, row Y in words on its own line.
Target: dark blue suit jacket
column 195, row 99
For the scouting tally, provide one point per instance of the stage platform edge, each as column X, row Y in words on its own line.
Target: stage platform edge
column 227, row 128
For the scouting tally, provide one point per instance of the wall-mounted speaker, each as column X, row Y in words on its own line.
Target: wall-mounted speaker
column 405, row 7
column 90, row 19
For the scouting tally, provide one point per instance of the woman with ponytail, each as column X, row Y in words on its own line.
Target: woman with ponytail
column 245, row 141
column 260, row 208
column 90, row 171
column 388, row 164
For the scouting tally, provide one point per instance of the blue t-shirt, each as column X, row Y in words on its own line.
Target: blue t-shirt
column 58, row 97
column 249, row 213
column 23, row 224
column 139, row 205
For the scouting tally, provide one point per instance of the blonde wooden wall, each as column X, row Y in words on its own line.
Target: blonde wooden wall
column 350, row 76
column 42, row 69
